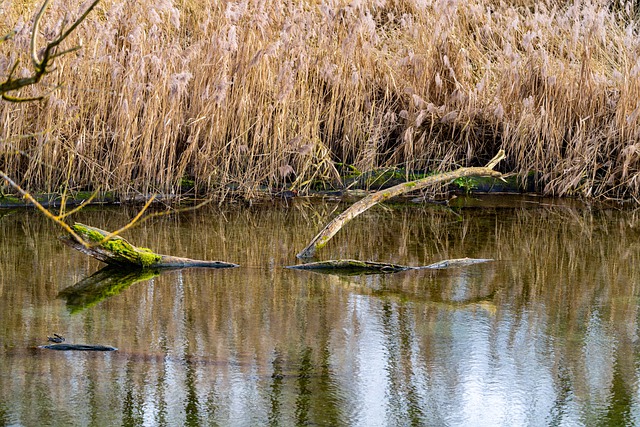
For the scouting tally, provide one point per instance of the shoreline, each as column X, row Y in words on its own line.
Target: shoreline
column 491, row 190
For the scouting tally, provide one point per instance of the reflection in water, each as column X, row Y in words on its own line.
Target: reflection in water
column 547, row 335
column 105, row 283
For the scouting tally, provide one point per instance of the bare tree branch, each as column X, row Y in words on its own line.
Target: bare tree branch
column 322, row 238
column 7, row 36
column 41, row 65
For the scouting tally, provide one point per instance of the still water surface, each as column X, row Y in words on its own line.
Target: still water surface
column 545, row 335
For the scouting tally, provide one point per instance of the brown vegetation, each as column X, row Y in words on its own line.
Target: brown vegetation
column 241, row 95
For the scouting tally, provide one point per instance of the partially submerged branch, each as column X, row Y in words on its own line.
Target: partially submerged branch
column 352, row 266
column 59, row 219
column 78, row 347
column 110, row 248
column 362, row 205
column 114, row 250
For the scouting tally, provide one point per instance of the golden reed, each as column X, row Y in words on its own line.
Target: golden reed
column 243, row 95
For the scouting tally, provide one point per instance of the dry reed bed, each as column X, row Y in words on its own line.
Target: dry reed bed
column 246, row 94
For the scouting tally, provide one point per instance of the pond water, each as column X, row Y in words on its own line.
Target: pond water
column 545, row 335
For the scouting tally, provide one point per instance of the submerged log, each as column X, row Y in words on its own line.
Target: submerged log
column 78, row 347
column 452, row 263
column 352, row 266
column 362, row 205
column 118, row 251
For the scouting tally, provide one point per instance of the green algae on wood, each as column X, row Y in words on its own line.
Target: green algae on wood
column 353, row 267
column 118, row 251
column 350, row 266
column 121, row 252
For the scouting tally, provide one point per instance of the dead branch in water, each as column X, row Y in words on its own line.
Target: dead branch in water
column 114, row 250
column 362, row 205
column 352, row 266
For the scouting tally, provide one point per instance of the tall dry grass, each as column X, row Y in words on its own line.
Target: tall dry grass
column 249, row 94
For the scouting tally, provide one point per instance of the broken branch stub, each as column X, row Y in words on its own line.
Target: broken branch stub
column 362, row 205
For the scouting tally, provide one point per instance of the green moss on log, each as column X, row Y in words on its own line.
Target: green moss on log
column 88, row 233
column 125, row 250
column 350, row 267
column 322, row 243
column 119, row 248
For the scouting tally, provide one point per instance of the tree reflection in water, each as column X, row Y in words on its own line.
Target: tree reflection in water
column 545, row 335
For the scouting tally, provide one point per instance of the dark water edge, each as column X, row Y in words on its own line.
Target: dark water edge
column 545, row 335
column 354, row 186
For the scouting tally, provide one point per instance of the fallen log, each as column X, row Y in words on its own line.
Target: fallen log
column 352, row 266
column 453, row 263
column 322, row 238
column 484, row 302
column 118, row 251
column 78, row 347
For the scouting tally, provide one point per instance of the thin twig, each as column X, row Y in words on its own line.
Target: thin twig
column 40, row 65
column 42, row 209
column 130, row 224
column 80, row 206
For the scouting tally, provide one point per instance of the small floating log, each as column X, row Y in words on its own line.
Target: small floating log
column 118, row 251
column 452, row 263
column 352, row 266
column 78, row 347
column 362, row 205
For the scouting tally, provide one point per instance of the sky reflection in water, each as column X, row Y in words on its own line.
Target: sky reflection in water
column 546, row 335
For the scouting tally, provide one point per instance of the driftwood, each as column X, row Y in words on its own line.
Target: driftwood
column 352, row 266
column 117, row 251
column 362, row 205
column 452, row 263
column 78, row 347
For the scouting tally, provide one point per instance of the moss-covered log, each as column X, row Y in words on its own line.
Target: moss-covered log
column 352, row 266
column 118, row 251
column 362, row 205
